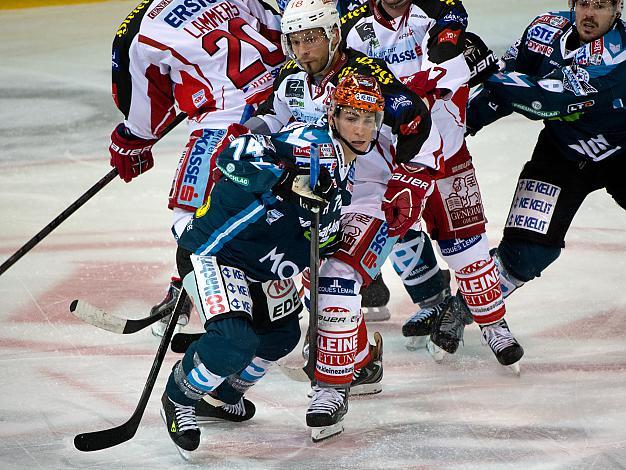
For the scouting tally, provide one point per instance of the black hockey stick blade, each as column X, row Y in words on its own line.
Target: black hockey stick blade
column 98, row 440
column 182, row 341
column 97, row 317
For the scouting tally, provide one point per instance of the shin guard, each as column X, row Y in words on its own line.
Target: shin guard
column 479, row 284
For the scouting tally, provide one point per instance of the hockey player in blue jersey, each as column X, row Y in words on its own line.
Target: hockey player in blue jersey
column 255, row 230
column 568, row 69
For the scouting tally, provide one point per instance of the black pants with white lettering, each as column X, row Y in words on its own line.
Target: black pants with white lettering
column 552, row 188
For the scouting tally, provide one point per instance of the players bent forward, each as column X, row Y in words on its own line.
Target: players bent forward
column 423, row 44
column 255, row 230
column 569, row 69
column 312, row 38
column 215, row 61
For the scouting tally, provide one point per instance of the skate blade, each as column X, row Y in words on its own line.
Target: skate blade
column 185, row 454
column 324, row 432
column 416, row 342
column 376, row 314
column 366, row 389
column 515, row 368
column 435, row 351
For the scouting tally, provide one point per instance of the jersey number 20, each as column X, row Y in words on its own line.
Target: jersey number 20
column 234, row 37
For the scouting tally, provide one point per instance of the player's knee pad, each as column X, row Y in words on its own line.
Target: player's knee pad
column 526, row 260
column 479, row 284
column 339, row 311
column 218, row 291
column 236, row 385
column 365, row 244
column 414, row 260
column 279, row 339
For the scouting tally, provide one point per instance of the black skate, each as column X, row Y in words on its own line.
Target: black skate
column 421, row 323
column 210, row 409
column 374, row 300
column 181, row 425
column 448, row 328
column 326, row 411
column 168, row 304
column 503, row 344
column 367, row 380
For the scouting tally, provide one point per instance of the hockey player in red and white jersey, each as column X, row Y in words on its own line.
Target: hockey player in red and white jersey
column 423, row 43
column 214, row 60
column 301, row 92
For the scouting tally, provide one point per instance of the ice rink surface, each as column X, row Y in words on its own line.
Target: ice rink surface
column 61, row 377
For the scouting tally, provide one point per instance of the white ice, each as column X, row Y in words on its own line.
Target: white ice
column 61, row 377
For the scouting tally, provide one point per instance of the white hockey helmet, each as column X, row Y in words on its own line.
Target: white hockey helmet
column 302, row 15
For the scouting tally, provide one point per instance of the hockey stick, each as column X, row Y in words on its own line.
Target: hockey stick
column 77, row 204
column 106, row 438
column 124, row 326
column 307, row 373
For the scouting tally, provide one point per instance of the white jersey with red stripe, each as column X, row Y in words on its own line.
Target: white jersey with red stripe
column 212, row 59
column 428, row 37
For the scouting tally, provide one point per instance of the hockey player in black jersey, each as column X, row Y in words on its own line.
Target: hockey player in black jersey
column 255, row 230
column 569, row 70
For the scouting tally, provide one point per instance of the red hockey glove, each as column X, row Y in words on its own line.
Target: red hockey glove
column 131, row 155
column 423, row 85
column 403, row 202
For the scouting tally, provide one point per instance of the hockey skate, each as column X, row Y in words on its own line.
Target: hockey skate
column 367, row 380
column 503, row 344
column 181, row 425
column 449, row 327
column 420, row 325
column 326, row 411
column 374, row 299
column 168, row 303
column 210, row 409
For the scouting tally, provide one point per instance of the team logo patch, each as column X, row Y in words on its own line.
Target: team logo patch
column 462, row 199
column 577, row 81
column 448, row 35
column 365, row 31
column 294, row 89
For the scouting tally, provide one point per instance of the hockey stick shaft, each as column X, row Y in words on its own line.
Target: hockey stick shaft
column 106, row 438
column 314, row 269
column 101, row 319
column 77, row 204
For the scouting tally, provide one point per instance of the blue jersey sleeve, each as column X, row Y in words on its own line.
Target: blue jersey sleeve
column 563, row 92
column 250, row 162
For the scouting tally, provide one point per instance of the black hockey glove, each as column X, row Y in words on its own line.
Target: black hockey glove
column 481, row 60
column 293, row 186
